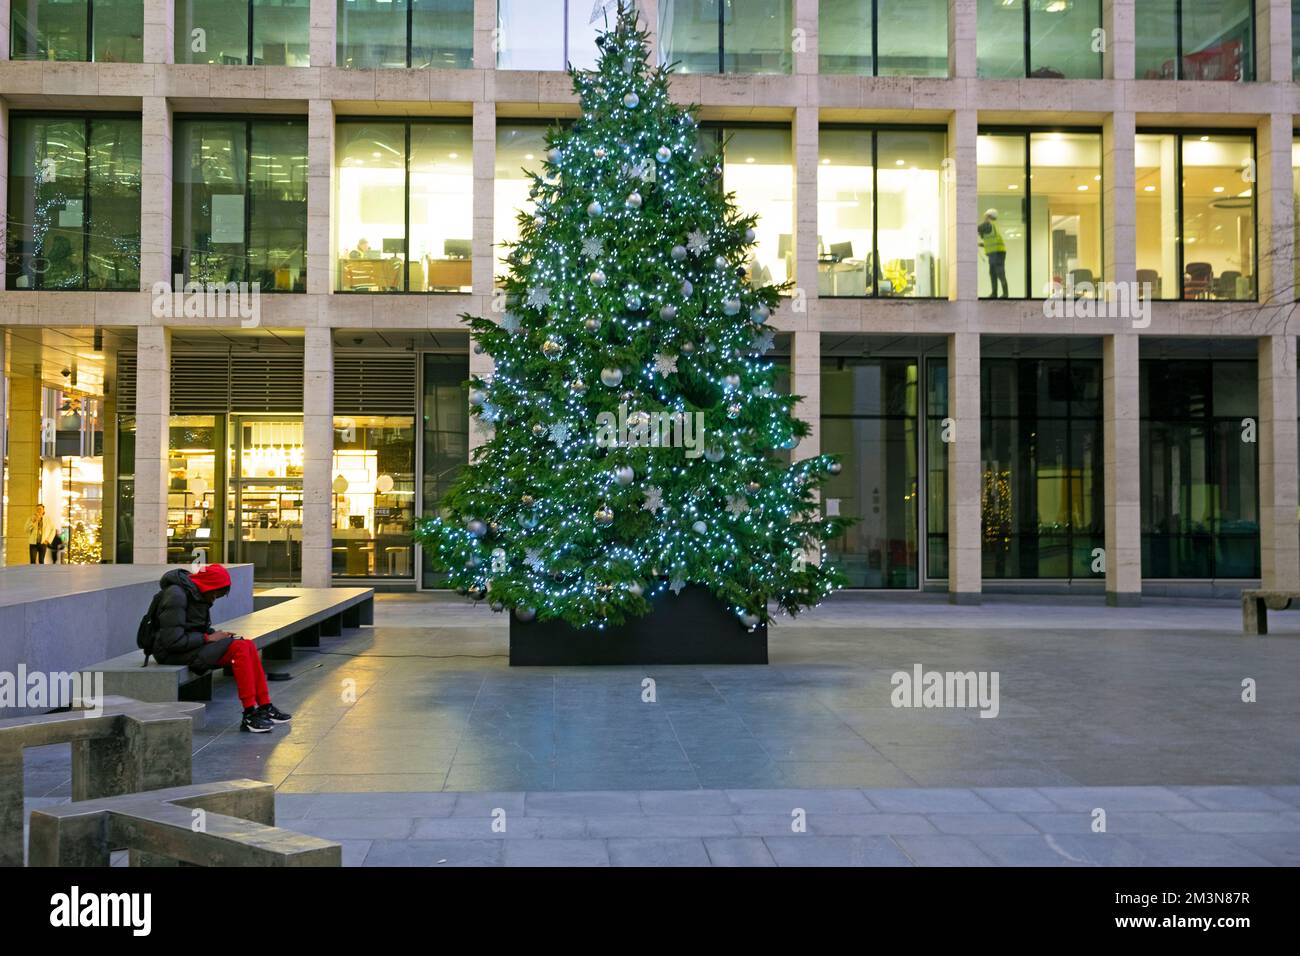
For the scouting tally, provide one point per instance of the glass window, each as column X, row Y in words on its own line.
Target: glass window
column 758, row 166
column 372, row 33
column 404, row 206
column 1041, row 440
column 898, row 209
column 102, row 31
column 373, row 499
column 1200, row 507
column 442, row 34
column 1195, row 39
column 1197, row 242
column 1218, row 217
column 446, row 433
column 1003, row 230
column 936, row 468
column 520, row 148
column 1065, row 212
column 1060, row 38
column 124, row 536
column 844, row 37
column 727, row 36
column 869, row 419
column 74, row 203
column 1049, row 221
column 212, row 31
column 282, row 32
column 240, row 202
column 911, row 37
column 196, row 488
column 548, row 34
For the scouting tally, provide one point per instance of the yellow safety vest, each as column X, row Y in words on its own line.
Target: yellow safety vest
column 993, row 241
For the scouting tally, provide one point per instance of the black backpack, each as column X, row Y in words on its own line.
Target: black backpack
column 147, row 633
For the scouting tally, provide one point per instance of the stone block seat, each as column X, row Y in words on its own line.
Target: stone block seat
column 1256, row 603
column 284, row 618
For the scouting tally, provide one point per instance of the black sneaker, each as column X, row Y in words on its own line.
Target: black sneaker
column 274, row 714
column 255, row 722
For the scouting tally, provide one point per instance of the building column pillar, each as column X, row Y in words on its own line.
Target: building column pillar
column 485, row 34
column 322, row 262
column 108, row 520
column 24, row 441
column 961, row 184
column 965, row 479
column 806, row 381
column 156, row 193
column 4, row 430
column 318, row 458
column 1273, row 41
column 152, row 431
column 961, row 38
column 1273, row 187
column 1119, row 198
column 484, row 252
column 807, row 148
column 159, row 33
column 1118, row 24
column 1122, row 455
column 806, row 51
column 649, row 17
column 324, row 29
column 1279, row 531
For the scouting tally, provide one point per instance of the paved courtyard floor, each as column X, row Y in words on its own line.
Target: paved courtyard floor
column 407, row 737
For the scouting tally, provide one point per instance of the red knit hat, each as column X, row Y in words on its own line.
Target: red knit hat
column 213, row 577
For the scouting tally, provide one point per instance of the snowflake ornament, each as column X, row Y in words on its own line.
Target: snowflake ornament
column 654, row 499
column 665, row 365
column 697, row 243
column 539, row 297
column 593, row 247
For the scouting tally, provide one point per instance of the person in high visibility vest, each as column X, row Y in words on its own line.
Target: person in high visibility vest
column 995, row 247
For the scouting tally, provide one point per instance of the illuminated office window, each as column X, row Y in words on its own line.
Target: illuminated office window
column 548, row 34
column 758, row 166
column 99, row 31
column 1052, row 39
column 395, row 34
column 520, row 147
column 1195, row 39
column 727, row 36
column 260, row 32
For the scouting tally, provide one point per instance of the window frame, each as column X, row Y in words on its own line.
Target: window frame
column 1028, row 132
column 247, row 120
column 722, row 40
column 873, row 129
column 1248, row 75
column 250, row 39
column 86, row 117
column 410, row 38
column 1180, row 134
column 407, row 122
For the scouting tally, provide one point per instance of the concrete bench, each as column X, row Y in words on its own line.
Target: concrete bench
column 211, row 824
column 1256, row 604
column 285, row 618
column 129, row 747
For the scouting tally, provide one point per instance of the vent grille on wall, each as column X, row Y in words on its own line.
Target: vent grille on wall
column 216, row 384
column 374, row 384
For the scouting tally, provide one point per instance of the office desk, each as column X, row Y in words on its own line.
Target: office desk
column 384, row 275
column 449, row 274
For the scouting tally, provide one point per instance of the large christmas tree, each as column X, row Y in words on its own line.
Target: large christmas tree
column 636, row 436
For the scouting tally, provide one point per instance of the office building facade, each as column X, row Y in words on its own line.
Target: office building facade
column 1120, row 418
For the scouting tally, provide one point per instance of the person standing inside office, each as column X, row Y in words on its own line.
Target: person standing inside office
column 39, row 531
column 995, row 247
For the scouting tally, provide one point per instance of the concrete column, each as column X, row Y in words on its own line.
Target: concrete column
column 649, row 18
column 156, row 192
column 318, row 458
column 806, row 381
column 108, row 527
column 485, row 163
column 965, row 477
column 1279, row 538
column 806, row 159
column 961, row 38
column 962, row 185
column 324, row 29
column 5, row 15
column 1276, row 211
column 1123, row 463
column 322, row 261
column 480, row 366
column 1273, row 41
column 1119, row 198
column 159, row 33
column 152, row 427
column 1119, row 23
column 24, row 437
column 806, row 55
column 485, row 34
column 4, row 430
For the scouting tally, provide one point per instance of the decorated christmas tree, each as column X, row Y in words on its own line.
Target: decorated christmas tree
column 636, row 439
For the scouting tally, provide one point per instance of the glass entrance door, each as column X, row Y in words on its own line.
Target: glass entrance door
column 265, row 497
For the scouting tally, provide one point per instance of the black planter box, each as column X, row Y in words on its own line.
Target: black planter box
column 692, row 627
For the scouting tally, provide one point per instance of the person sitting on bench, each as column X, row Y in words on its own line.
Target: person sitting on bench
column 186, row 636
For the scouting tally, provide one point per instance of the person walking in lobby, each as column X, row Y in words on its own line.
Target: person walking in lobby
column 185, row 636
column 39, row 531
column 995, row 247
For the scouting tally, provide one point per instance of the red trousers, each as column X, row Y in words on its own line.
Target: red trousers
column 250, row 678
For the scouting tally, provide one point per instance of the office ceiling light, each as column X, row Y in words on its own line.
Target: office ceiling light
column 1149, row 189
column 1083, row 187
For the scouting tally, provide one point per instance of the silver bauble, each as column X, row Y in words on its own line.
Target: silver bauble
column 634, row 201
column 750, row 235
column 700, row 527
column 678, row 253
column 595, row 209
column 688, row 348
column 731, row 306
column 714, row 454
column 759, row 314
column 668, row 313
column 600, row 152
column 631, row 101
column 477, row 397
column 663, row 154
column 525, row 614
column 731, row 381
column 554, row 155
column 539, row 430
column 475, row 527
column 611, row 377
column 598, row 278
column 720, row 263
column 750, row 621
column 592, row 324
column 579, row 387
column 636, row 588
column 624, row 475
column 835, row 468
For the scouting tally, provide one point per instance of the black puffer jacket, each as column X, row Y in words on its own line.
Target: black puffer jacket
column 184, row 621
